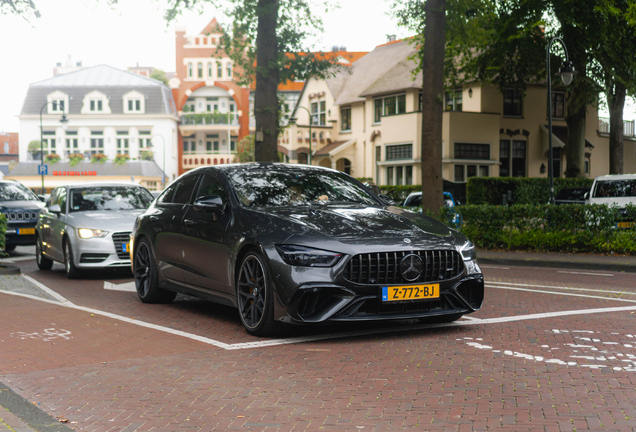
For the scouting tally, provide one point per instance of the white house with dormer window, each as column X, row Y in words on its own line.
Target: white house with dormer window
column 110, row 112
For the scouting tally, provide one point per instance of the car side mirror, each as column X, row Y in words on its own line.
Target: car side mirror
column 42, row 198
column 55, row 208
column 387, row 199
column 586, row 196
column 210, row 203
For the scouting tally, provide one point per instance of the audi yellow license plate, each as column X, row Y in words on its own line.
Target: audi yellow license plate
column 625, row 224
column 26, row 231
column 410, row 292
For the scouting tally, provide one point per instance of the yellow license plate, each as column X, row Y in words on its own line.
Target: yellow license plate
column 625, row 224
column 410, row 292
column 26, row 231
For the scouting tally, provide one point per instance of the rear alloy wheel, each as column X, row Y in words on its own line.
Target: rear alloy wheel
column 146, row 278
column 43, row 262
column 255, row 297
column 72, row 272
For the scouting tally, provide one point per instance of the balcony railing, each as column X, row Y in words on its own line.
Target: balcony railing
column 628, row 127
column 209, row 119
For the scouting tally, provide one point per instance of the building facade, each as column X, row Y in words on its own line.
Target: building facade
column 368, row 123
column 112, row 114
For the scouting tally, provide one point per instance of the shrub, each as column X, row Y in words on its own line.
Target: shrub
column 121, row 158
column 3, row 230
column 565, row 228
column 99, row 157
column 75, row 158
column 535, row 191
column 52, row 158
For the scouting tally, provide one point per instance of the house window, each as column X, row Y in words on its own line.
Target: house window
column 57, row 105
column 587, row 165
column 512, row 103
column 219, row 70
column 556, row 162
column 388, row 106
column 303, row 158
column 378, row 158
column 377, row 110
column 399, row 175
column 453, row 101
column 190, row 70
column 319, row 113
column 397, row 152
column 48, row 142
column 472, row 151
column 229, row 70
column 233, row 145
column 464, row 172
column 345, row 119
column 189, row 147
column 134, row 105
column 558, row 105
column 512, row 158
column 97, row 146
column 144, row 140
column 504, row 158
column 210, row 75
column 96, row 105
column 200, row 70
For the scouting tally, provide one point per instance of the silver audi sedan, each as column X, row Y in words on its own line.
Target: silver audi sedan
column 88, row 226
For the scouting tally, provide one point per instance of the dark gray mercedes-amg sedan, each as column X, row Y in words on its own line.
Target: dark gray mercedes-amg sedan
column 300, row 244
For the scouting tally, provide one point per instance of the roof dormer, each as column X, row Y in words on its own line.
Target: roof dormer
column 57, row 102
column 95, row 102
column 134, row 103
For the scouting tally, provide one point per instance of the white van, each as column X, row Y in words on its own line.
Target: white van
column 613, row 189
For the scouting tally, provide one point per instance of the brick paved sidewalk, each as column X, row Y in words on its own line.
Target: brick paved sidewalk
column 9, row 422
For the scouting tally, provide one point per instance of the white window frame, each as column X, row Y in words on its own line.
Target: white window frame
column 53, row 102
column 96, row 97
column 136, row 98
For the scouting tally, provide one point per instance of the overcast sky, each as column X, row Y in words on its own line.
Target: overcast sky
column 134, row 31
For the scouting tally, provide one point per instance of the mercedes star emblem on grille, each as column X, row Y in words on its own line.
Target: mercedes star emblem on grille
column 407, row 240
column 411, row 267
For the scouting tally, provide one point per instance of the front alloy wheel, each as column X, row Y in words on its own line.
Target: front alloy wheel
column 43, row 262
column 255, row 297
column 146, row 278
column 72, row 272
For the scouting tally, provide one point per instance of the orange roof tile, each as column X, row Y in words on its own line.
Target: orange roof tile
column 291, row 86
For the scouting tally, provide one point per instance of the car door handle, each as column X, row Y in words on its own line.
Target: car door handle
column 154, row 218
column 189, row 222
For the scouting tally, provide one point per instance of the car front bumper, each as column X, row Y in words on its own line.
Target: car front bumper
column 12, row 236
column 98, row 253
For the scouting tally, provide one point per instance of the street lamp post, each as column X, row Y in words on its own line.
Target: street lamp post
column 163, row 169
column 63, row 121
column 567, row 72
column 310, row 136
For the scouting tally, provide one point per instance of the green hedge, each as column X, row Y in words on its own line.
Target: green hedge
column 535, row 191
column 564, row 228
column 3, row 230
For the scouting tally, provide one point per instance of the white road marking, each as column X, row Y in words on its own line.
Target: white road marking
column 560, row 293
column 561, row 288
column 48, row 290
column 18, row 258
column 274, row 342
column 46, row 335
column 469, row 318
column 494, row 267
column 585, row 273
column 128, row 286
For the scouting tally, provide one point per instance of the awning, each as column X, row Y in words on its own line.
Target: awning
column 559, row 138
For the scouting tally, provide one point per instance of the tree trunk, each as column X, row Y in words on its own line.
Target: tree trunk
column 266, row 92
column 576, row 114
column 616, row 102
column 432, row 105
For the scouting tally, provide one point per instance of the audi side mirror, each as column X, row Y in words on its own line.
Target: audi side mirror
column 55, row 208
column 586, row 196
column 210, row 203
column 42, row 198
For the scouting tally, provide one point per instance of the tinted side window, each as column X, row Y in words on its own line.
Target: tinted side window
column 211, row 185
column 53, row 198
column 184, row 191
column 167, row 196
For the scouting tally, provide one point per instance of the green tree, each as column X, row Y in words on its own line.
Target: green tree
column 266, row 42
column 24, row 8
column 245, row 150
column 616, row 68
column 159, row 75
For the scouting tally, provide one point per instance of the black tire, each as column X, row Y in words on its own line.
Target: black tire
column 146, row 277
column 43, row 262
column 9, row 248
column 442, row 319
column 255, row 297
column 72, row 272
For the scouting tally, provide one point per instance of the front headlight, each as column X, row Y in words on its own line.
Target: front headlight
column 307, row 257
column 86, row 233
column 468, row 251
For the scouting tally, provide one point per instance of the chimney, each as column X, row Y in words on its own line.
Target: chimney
column 390, row 38
column 343, row 48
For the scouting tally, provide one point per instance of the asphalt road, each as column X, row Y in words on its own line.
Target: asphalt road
column 551, row 350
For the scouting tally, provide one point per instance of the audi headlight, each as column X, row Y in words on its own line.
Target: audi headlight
column 307, row 257
column 86, row 233
column 468, row 251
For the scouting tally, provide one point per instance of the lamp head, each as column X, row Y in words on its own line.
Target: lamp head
column 567, row 72
column 64, row 122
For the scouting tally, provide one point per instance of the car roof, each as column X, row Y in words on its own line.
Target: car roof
column 616, row 177
column 278, row 166
column 101, row 184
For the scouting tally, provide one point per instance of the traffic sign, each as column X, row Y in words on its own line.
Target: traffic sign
column 43, row 169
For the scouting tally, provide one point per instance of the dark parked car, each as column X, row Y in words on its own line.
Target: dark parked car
column 571, row 196
column 21, row 208
column 298, row 244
